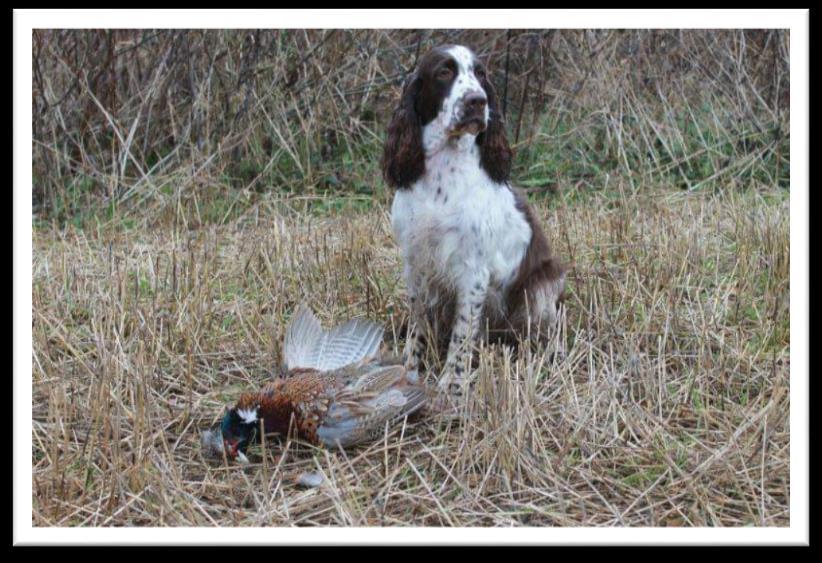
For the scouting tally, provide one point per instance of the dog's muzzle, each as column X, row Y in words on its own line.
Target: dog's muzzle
column 473, row 117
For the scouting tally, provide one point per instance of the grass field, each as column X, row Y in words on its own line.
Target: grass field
column 178, row 224
column 670, row 407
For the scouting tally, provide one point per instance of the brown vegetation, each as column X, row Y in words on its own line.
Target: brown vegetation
column 192, row 187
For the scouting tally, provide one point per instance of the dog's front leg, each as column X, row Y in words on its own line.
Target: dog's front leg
column 471, row 295
column 416, row 341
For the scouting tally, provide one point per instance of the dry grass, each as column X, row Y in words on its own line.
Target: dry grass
column 157, row 124
column 670, row 407
column 191, row 187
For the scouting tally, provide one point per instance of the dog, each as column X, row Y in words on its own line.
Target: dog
column 473, row 251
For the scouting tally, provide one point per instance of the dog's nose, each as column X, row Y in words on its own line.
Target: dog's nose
column 475, row 101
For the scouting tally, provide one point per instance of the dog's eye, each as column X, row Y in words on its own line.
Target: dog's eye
column 479, row 73
column 445, row 73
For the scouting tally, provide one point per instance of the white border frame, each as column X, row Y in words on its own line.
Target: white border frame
column 795, row 20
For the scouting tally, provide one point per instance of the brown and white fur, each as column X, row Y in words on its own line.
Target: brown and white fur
column 473, row 252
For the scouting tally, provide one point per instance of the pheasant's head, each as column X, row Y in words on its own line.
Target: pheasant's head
column 239, row 429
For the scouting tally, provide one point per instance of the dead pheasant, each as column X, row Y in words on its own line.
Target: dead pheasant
column 336, row 388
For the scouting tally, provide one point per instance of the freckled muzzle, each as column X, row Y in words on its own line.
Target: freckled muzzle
column 472, row 114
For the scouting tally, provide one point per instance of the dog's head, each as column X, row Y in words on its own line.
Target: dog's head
column 448, row 96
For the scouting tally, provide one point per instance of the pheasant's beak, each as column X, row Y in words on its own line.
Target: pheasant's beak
column 233, row 452
column 231, row 447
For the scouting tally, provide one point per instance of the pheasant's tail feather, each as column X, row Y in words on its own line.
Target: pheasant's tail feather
column 308, row 345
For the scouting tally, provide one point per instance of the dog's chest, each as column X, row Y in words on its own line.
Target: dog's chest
column 455, row 220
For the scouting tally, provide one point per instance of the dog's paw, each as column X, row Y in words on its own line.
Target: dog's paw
column 453, row 383
column 557, row 355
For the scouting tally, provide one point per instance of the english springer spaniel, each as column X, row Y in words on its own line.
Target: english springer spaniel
column 474, row 254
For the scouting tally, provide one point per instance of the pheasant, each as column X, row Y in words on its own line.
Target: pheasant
column 336, row 388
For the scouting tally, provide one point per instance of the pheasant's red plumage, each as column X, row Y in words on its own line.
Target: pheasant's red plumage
column 358, row 397
column 336, row 390
column 303, row 396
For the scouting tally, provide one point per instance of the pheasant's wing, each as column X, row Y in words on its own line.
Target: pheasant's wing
column 361, row 411
column 368, row 377
column 308, row 345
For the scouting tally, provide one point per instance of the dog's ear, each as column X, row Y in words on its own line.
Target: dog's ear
column 403, row 157
column 495, row 154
